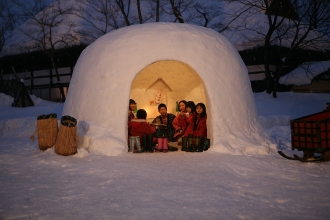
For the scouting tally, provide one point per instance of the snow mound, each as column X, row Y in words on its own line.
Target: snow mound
column 102, row 79
column 36, row 100
column 18, row 127
column 6, row 100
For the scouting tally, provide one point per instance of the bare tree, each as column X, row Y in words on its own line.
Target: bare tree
column 310, row 30
column 106, row 15
column 202, row 10
column 48, row 30
column 8, row 21
column 157, row 8
column 99, row 16
column 204, row 14
column 275, row 20
column 102, row 16
column 144, row 11
column 176, row 9
column 138, row 4
column 125, row 6
column 291, row 25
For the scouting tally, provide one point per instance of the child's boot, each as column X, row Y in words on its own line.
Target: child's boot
column 165, row 145
column 131, row 143
column 160, row 145
column 198, row 144
column 184, row 144
column 145, row 143
column 138, row 145
column 149, row 141
column 190, row 147
column 206, row 144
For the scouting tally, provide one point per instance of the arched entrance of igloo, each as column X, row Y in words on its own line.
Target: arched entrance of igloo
column 166, row 81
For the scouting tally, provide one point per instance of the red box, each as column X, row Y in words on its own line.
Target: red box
column 311, row 132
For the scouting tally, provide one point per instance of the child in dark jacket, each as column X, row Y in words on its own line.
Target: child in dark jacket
column 139, row 127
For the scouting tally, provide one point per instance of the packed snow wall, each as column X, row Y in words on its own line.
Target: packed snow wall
column 100, row 88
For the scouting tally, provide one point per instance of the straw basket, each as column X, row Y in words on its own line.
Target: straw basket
column 47, row 131
column 67, row 139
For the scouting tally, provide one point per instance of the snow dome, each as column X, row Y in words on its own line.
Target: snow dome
column 179, row 60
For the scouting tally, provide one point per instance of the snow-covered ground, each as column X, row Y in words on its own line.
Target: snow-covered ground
column 177, row 185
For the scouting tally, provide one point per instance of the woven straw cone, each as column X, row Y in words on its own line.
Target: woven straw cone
column 47, row 132
column 67, row 141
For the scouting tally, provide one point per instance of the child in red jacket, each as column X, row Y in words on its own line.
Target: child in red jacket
column 200, row 129
column 196, row 130
column 179, row 123
column 191, row 108
column 139, row 127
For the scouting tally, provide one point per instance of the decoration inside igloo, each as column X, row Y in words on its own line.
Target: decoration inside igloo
column 177, row 61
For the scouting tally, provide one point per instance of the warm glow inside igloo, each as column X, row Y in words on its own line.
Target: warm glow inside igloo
column 168, row 82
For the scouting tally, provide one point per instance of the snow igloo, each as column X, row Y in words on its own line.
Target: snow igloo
column 180, row 61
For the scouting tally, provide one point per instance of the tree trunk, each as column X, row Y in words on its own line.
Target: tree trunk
column 58, row 80
column 176, row 12
column 278, row 73
column 121, row 6
column 269, row 78
column 138, row 4
column 157, row 11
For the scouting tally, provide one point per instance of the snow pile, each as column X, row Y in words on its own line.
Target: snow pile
column 6, row 100
column 303, row 74
column 35, row 99
column 104, row 73
column 21, row 122
column 18, row 127
column 95, row 137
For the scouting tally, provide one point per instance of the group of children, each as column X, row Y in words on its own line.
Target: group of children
column 187, row 127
